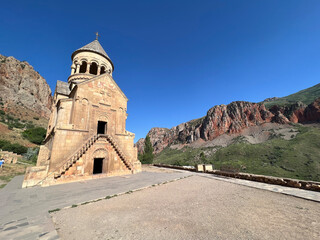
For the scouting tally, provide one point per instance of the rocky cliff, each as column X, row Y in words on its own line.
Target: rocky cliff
column 231, row 118
column 21, row 87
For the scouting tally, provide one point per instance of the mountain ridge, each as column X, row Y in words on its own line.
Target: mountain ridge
column 305, row 96
column 235, row 117
column 25, row 100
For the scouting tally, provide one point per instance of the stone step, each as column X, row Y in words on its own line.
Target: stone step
column 85, row 148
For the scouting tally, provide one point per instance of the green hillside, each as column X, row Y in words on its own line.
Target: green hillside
column 306, row 96
column 295, row 158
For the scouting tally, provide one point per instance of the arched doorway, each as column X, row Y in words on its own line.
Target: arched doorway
column 100, row 157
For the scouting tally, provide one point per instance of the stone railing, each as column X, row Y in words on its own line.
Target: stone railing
column 287, row 182
column 75, row 156
column 118, row 150
column 82, row 150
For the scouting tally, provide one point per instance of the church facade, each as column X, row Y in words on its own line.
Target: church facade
column 86, row 135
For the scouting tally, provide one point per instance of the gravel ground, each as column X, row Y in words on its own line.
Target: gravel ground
column 193, row 208
column 150, row 168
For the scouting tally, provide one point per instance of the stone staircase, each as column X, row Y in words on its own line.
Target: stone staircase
column 85, row 147
column 118, row 150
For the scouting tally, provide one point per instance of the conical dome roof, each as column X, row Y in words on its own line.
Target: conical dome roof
column 95, row 47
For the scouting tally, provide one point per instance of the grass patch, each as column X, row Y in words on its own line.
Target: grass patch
column 54, row 210
column 295, row 158
column 3, row 185
column 111, row 196
column 21, row 130
column 184, row 157
column 6, row 178
column 129, row 192
column 9, row 171
column 306, row 96
column 74, row 206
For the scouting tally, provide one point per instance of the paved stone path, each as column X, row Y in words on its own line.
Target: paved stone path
column 195, row 207
column 24, row 212
column 296, row 192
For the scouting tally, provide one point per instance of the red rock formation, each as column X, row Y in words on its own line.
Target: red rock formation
column 21, row 86
column 312, row 112
column 159, row 137
column 231, row 118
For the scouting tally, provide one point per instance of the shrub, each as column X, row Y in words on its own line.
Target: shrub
column 203, row 157
column 10, row 118
column 230, row 168
column 15, row 147
column 30, row 125
column 180, row 162
column 32, row 154
column 17, row 124
column 35, row 135
column 3, row 143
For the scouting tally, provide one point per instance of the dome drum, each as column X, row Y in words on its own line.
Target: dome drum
column 89, row 61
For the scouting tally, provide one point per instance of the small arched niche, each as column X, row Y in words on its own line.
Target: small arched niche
column 83, row 67
column 103, row 70
column 93, row 68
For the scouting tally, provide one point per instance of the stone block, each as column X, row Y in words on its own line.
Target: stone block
column 315, row 187
column 199, row 168
column 292, row 183
column 207, row 167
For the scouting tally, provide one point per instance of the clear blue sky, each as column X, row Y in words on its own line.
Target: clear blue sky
column 174, row 59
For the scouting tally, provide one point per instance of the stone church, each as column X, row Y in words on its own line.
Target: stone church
column 86, row 135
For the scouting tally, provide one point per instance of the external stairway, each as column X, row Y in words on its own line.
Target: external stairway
column 85, row 147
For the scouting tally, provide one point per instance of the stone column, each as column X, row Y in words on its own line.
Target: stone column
column 78, row 68
column 73, row 69
column 88, row 67
column 99, row 70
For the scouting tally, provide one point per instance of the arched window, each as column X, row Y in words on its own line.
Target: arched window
column 83, row 67
column 94, row 68
column 103, row 70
